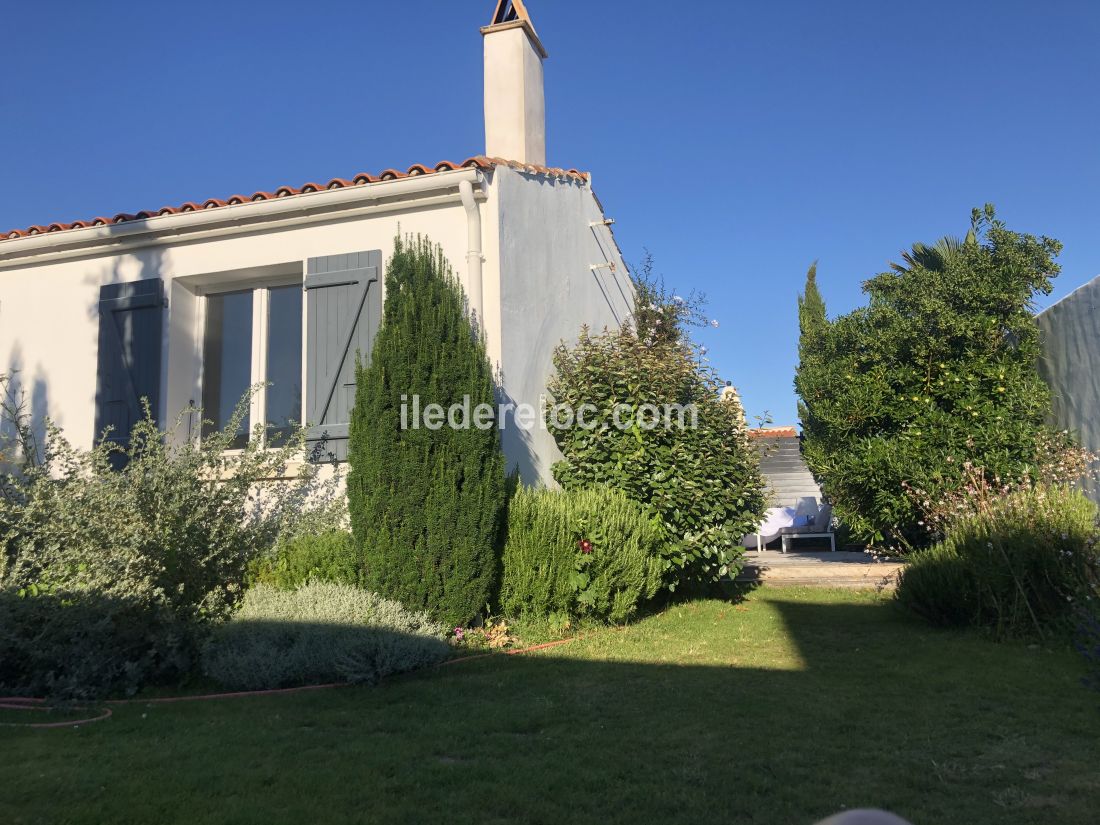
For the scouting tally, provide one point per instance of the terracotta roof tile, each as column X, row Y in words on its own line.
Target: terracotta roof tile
column 417, row 169
column 774, row 432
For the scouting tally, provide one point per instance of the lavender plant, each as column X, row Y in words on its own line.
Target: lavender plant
column 321, row 632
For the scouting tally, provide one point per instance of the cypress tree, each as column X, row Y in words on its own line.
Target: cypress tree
column 426, row 504
column 813, row 322
column 811, row 309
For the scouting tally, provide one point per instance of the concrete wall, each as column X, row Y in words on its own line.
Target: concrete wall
column 1070, row 364
column 548, row 291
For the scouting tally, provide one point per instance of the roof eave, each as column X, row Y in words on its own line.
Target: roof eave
column 297, row 210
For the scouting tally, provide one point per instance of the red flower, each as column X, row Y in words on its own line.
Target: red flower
column 585, row 546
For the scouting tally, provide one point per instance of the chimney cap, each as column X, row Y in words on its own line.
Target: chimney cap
column 512, row 14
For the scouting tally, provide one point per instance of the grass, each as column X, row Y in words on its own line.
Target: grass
column 781, row 709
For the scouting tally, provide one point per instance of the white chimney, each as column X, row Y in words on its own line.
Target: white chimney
column 515, row 108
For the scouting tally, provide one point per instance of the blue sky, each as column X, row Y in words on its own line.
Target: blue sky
column 736, row 141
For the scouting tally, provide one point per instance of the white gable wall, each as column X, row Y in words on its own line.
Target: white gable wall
column 548, row 291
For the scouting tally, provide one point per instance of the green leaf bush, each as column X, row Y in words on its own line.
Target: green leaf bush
column 426, row 504
column 320, row 633
column 1020, row 565
column 85, row 644
column 146, row 557
column 699, row 475
column 329, row 556
column 590, row 553
column 936, row 372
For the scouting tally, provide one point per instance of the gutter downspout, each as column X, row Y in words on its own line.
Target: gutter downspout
column 474, row 257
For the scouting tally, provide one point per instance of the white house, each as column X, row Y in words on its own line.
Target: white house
column 191, row 304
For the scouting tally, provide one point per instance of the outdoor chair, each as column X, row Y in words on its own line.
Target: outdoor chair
column 804, row 520
column 819, row 525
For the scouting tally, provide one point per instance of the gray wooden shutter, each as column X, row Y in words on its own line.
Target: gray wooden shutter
column 343, row 313
column 131, row 320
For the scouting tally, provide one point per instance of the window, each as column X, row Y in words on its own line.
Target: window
column 254, row 336
column 284, row 361
column 227, row 360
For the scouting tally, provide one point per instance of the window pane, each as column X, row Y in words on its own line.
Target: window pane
column 284, row 360
column 227, row 360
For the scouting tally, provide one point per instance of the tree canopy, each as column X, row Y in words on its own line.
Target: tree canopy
column 935, row 373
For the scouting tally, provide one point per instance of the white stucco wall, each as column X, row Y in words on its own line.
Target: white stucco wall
column 49, row 311
column 548, row 291
column 538, row 286
column 1070, row 364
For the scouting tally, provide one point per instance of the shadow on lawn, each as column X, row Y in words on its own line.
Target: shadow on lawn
column 785, row 713
column 866, row 709
column 88, row 646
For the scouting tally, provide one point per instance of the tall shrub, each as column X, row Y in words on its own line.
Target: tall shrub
column 578, row 553
column 426, row 503
column 696, row 470
column 936, row 371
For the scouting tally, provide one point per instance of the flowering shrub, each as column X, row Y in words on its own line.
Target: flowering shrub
column 492, row 635
column 1059, row 462
column 660, row 316
column 320, row 633
column 579, row 553
column 1019, row 564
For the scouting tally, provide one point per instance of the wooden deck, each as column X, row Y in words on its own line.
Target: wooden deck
column 821, row 569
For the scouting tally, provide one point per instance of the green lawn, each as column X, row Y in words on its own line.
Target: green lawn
column 781, row 709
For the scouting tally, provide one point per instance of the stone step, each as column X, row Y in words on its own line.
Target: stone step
column 820, row 569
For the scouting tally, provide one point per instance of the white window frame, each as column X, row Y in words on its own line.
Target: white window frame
column 260, row 288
